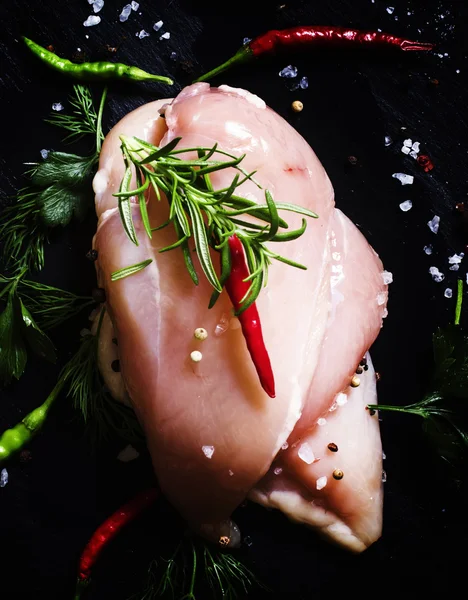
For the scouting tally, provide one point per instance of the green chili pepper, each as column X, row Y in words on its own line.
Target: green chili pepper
column 14, row 439
column 94, row 70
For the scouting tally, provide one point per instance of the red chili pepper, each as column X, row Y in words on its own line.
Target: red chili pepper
column 249, row 319
column 107, row 531
column 425, row 162
column 296, row 37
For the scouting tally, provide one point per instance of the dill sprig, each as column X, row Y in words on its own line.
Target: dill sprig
column 444, row 409
column 204, row 215
column 194, row 566
column 59, row 189
column 101, row 413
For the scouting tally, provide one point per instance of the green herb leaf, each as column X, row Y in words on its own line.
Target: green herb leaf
column 83, row 118
column 127, row 271
column 125, row 207
column 64, row 168
column 13, row 354
column 202, row 246
column 59, row 204
column 36, row 339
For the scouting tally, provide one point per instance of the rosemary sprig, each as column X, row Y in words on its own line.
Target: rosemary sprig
column 444, row 409
column 29, row 307
column 101, row 413
column 203, row 215
column 58, row 189
column 195, row 565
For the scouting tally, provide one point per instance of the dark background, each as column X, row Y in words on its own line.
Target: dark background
column 54, row 501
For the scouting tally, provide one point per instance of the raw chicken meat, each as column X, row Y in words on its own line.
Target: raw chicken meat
column 212, row 431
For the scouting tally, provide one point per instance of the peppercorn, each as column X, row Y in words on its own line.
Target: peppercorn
column 224, row 540
column 99, row 295
column 332, row 447
column 115, row 364
column 355, row 382
column 92, row 255
column 297, row 106
column 363, row 361
column 338, row 474
column 359, row 370
column 200, row 334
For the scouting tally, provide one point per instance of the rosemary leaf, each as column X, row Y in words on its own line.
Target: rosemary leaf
column 131, row 270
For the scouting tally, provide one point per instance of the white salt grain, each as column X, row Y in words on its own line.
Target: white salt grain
column 437, row 276
column 456, row 259
column 304, row 84
column 142, row 34
column 407, row 143
column 387, row 277
column 58, row 106
column 127, row 454
column 285, row 446
column 288, row 72
column 428, row 249
column 135, row 6
column 165, row 36
column 381, row 298
column 208, row 451
column 126, row 10
column 44, row 153
column 157, row 26
column 321, row 482
column 388, row 140
column 341, row 399
column 454, row 267
column 321, row 422
column 434, row 223
column 306, row 454
column 246, row 40
column 403, row 178
column 415, row 146
column 98, row 5
column 278, row 471
column 3, row 478
column 448, row 293
column 406, row 205
column 390, row 10
column 92, row 20
column 413, row 154
column 405, row 149
column 173, row 55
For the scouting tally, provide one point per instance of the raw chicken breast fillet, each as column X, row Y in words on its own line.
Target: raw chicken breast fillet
column 212, row 432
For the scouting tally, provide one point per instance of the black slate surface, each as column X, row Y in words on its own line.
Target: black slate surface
column 53, row 503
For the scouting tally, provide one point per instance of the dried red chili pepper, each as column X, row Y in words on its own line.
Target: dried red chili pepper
column 425, row 162
column 249, row 319
column 297, row 37
column 107, row 531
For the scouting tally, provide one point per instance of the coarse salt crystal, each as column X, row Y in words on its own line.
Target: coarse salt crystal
column 288, row 72
column 406, row 205
column 44, row 153
column 246, row 40
column 428, row 249
column 415, row 146
column 142, row 34
column 467, row 278
column 208, row 451
column 157, row 26
column 98, row 5
column 126, row 10
column 388, row 140
column 3, row 478
column 381, row 298
column 135, row 6
column 454, row 267
column 306, row 454
column 387, row 277
column 304, row 84
column 407, row 143
column 456, row 259
column 321, row 482
column 390, row 10
column 92, row 20
column 341, row 399
column 448, row 293
column 413, row 154
column 405, row 149
column 278, row 471
column 196, row 356
column 285, row 446
column 403, row 178
column 434, row 223
column 385, row 313
column 321, row 422
column 58, row 106
column 173, row 55
column 437, row 276
column 165, row 36
column 127, row 454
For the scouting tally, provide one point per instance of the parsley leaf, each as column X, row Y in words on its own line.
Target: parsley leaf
column 64, row 168
column 59, row 204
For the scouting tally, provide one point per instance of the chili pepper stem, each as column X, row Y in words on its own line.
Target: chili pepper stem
column 241, row 56
column 81, row 585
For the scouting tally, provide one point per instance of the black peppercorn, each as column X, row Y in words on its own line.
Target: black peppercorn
column 99, row 295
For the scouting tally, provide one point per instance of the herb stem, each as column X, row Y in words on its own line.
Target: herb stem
column 459, row 302
column 99, row 134
column 389, row 407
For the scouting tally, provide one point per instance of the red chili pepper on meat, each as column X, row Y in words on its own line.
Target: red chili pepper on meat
column 297, row 37
column 249, row 319
column 107, row 531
